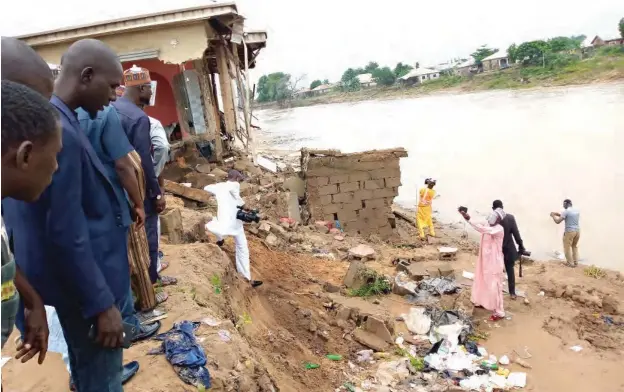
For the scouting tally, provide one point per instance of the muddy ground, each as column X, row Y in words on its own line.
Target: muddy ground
column 292, row 319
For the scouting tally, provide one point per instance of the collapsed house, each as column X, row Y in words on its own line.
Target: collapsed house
column 356, row 189
column 198, row 60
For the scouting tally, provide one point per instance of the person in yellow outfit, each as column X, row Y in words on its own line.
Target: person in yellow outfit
column 423, row 216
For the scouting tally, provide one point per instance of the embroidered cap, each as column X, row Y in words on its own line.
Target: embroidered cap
column 136, row 76
column 120, row 90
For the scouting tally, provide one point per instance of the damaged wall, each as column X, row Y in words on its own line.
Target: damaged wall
column 355, row 189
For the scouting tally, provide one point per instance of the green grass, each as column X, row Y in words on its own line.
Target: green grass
column 215, row 280
column 378, row 285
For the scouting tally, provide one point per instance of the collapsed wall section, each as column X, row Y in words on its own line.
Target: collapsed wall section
column 355, row 189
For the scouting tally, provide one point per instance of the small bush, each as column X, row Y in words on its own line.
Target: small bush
column 378, row 285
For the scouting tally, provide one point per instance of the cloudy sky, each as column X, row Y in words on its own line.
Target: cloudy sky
column 321, row 38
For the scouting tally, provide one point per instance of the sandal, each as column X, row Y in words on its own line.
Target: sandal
column 163, row 266
column 161, row 297
column 167, row 280
column 496, row 317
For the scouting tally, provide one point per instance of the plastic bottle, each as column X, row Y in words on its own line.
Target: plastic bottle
column 334, row 357
column 489, row 365
column 310, row 365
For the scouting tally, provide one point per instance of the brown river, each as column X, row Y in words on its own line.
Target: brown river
column 531, row 149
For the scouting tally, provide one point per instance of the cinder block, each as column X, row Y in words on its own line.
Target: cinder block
column 385, row 231
column 328, row 190
column 384, row 173
column 375, row 203
column 339, row 179
column 349, row 186
column 325, row 200
column 317, row 181
column 359, row 176
column 373, row 184
column 363, row 194
column 392, row 181
column 385, row 192
column 331, row 208
column 343, row 198
column 346, row 215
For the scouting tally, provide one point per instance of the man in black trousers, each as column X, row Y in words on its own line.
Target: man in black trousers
column 510, row 253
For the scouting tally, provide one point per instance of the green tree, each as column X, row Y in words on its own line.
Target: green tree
column 384, row 76
column 621, row 27
column 560, row 44
column 350, row 81
column 326, row 81
column 274, row 87
column 532, row 52
column 402, row 69
column 370, row 67
column 511, row 52
column 482, row 52
column 315, row 84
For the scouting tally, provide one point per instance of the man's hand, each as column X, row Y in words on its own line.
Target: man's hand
column 160, row 204
column 36, row 335
column 109, row 328
column 554, row 214
column 138, row 216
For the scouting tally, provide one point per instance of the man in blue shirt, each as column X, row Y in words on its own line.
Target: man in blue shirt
column 572, row 232
column 80, row 263
column 136, row 124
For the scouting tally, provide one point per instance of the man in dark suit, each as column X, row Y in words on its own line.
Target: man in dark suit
column 71, row 243
column 510, row 252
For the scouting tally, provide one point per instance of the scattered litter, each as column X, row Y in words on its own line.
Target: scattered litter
column 482, row 352
column 421, row 298
column 468, row 275
column 364, row 355
column 310, row 365
column 390, row 371
column 350, row 387
column 403, row 285
column 516, row 380
column 186, row 184
column 504, row 360
column 211, row 321
column 541, row 294
column 399, row 341
column 524, row 353
column 522, row 363
column 225, row 335
column 609, row 321
column 576, row 348
column 185, row 354
column 334, row 357
column 417, row 321
column 439, row 286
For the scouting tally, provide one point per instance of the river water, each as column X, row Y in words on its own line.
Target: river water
column 531, row 149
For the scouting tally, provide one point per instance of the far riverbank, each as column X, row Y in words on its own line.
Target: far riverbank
column 602, row 69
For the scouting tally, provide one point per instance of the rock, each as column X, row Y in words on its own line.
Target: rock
column 220, row 174
column 271, row 240
column 611, row 305
column 295, row 184
column 200, row 180
column 339, row 238
column 417, row 272
column 362, row 251
column 247, row 189
column 355, row 276
column 285, row 224
column 331, row 288
column 334, row 231
column 241, row 165
column 344, row 313
column 569, row 292
column 204, row 168
column 378, row 327
column 445, row 270
column 264, row 228
column 370, row 340
column 171, row 225
column 321, row 226
column 253, row 230
column 297, row 238
column 376, row 302
column 559, row 291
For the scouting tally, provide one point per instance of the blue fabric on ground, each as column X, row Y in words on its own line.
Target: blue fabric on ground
column 185, row 354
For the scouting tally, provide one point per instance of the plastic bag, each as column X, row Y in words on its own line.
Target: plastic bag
column 417, row 321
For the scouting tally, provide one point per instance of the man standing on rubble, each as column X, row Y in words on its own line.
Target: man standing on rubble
column 226, row 224
column 136, row 124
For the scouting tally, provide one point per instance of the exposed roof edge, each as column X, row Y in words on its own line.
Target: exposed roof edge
column 163, row 18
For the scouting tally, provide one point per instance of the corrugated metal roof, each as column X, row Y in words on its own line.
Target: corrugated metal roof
column 365, row 78
column 419, row 72
column 498, row 55
column 468, row 63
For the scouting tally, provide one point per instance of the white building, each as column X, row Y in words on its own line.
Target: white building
column 420, row 75
column 366, row 80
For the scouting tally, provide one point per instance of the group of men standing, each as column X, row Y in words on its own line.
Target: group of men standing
column 80, row 205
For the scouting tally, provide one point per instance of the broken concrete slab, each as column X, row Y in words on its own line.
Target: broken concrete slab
column 344, row 313
column 264, row 228
column 447, row 253
column 370, row 340
column 221, row 174
column 204, row 168
column 171, row 225
column 272, row 240
column 418, row 271
column 363, row 252
column 295, row 184
column 331, row 288
column 292, row 201
column 356, row 275
column 379, row 328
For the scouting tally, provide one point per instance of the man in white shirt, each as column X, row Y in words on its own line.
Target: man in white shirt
column 226, row 224
column 161, row 147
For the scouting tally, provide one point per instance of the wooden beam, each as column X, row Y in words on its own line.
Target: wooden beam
column 199, row 195
column 225, row 82
column 211, row 114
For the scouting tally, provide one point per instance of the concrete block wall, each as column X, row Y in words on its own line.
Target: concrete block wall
column 355, row 189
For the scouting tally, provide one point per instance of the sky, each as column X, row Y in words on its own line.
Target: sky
column 320, row 39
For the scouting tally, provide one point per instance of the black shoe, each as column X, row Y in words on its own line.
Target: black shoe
column 72, row 386
column 220, row 243
column 129, row 370
column 256, row 283
column 146, row 331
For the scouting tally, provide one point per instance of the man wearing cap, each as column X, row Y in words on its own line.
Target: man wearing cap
column 226, row 224
column 136, row 124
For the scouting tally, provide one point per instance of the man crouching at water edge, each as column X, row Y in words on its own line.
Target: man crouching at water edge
column 226, row 223
column 572, row 232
